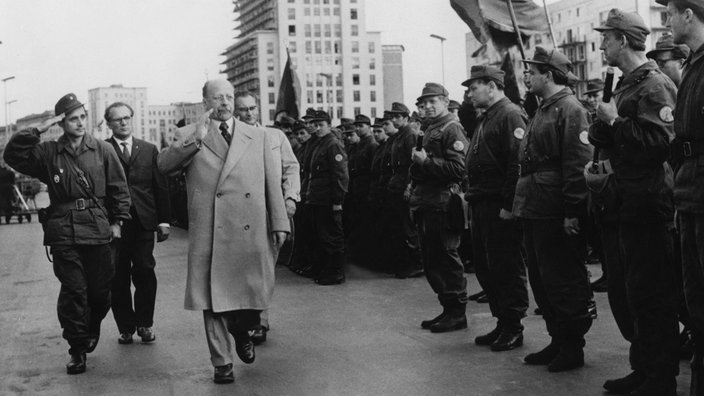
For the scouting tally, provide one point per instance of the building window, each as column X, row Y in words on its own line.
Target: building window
column 306, row 11
column 291, row 1
column 326, row 11
column 316, row 11
column 353, row 13
column 291, row 30
column 357, row 111
column 336, row 10
column 319, row 80
column 355, row 79
column 318, row 47
column 272, row 98
column 306, row 30
column 309, row 47
column 372, row 64
column 319, row 96
column 292, row 14
column 270, row 64
column 309, row 80
column 373, row 115
column 356, row 96
column 372, row 79
column 663, row 18
column 577, row 11
column 338, row 80
column 309, row 96
column 338, row 30
column 355, row 46
column 355, row 30
column 316, row 30
column 292, row 46
column 270, row 81
column 270, row 48
column 355, row 62
column 328, row 47
column 337, row 47
column 372, row 96
column 327, row 30
column 593, row 47
column 371, row 47
column 339, row 96
column 272, row 114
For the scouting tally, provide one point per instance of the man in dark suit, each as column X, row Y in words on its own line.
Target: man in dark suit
column 150, row 211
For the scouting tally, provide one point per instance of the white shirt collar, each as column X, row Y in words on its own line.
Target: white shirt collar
column 128, row 141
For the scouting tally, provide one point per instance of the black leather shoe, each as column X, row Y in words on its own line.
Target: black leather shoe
column 427, row 323
column 146, row 334
column 125, row 338
column 449, row 323
column 329, row 281
column 658, row 387
column 570, row 357
column 224, row 374
column 599, row 285
column 625, row 385
column 488, row 338
column 544, row 356
column 258, row 335
column 77, row 364
column 507, row 341
column 92, row 344
column 475, row 296
column 483, row 299
column 244, row 346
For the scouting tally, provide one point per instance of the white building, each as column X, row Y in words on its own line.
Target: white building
column 338, row 63
column 163, row 119
column 100, row 98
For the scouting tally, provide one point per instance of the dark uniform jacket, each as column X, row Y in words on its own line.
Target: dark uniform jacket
column 446, row 146
column 552, row 156
column 387, row 167
column 637, row 145
column 50, row 162
column 306, row 153
column 328, row 176
column 401, row 151
column 689, row 127
column 492, row 159
column 376, row 188
column 149, row 190
column 360, row 166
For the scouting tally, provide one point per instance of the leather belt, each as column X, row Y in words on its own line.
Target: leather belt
column 78, row 204
column 527, row 168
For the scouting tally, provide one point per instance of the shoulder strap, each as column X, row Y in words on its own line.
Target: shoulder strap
column 83, row 182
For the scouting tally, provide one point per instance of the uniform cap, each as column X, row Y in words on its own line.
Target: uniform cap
column 433, row 89
column 310, row 112
column 553, row 58
column 415, row 117
column 682, row 4
column 346, row 128
column 66, row 104
column 378, row 122
column 346, row 121
column 286, row 121
column 667, row 43
column 362, row 119
column 298, row 125
column 628, row 23
column 319, row 115
column 594, row 85
column 485, row 71
column 397, row 108
column 454, row 105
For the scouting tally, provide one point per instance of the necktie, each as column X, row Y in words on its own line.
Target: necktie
column 225, row 133
column 125, row 150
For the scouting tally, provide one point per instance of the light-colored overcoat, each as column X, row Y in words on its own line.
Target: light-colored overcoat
column 234, row 205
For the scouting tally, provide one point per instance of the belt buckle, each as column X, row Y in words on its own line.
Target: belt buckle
column 80, row 204
column 687, row 149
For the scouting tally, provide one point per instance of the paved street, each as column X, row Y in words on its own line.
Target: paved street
column 361, row 338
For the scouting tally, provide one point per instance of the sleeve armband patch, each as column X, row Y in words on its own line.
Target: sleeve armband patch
column 584, row 137
column 518, row 133
column 666, row 114
column 458, row 145
column 338, row 157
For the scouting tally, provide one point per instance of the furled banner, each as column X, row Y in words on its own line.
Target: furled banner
column 289, row 91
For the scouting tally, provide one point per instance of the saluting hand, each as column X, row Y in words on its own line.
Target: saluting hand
column 44, row 126
column 203, row 125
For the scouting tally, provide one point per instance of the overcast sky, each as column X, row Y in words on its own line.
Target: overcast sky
column 54, row 47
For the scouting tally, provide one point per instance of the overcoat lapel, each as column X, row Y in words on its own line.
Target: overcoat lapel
column 215, row 142
column 241, row 138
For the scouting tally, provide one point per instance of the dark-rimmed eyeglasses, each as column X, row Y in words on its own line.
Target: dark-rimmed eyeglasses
column 125, row 119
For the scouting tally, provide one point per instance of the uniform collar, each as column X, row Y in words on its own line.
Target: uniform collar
column 88, row 142
column 494, row 109
column 441, row 120
column 559, row 95
column 694, row 57
column 637, row 75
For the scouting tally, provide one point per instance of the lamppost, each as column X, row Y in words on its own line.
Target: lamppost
column 442, row 54
column 9, row 113
column 329, row 97
column 4, row 82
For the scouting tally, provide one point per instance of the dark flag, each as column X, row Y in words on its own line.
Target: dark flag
column 289, row 91
column 510, row 81
column 490, row 20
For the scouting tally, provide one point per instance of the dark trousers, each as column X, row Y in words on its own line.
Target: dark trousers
column 558, row 278
column 85, row 273
column 134, row 264
column 219, row 324
column 499, row 265
column 404, row 247
column 327, row 239
column 691, row 226
column 441, row 262
column 302, row 248
column 643, row 294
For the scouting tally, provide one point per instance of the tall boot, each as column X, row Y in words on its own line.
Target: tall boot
column 333, row 272
column 571, row 353
column 697, row 365
column 547, row 354
column 455, row 319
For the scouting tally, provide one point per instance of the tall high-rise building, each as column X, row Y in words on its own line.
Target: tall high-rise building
column 100, row 98
column 338, row 63
column 393, row 74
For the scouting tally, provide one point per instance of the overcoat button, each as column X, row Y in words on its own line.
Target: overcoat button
column 246, row 227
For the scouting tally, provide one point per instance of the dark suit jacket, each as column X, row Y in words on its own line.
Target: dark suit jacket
column 148, row 187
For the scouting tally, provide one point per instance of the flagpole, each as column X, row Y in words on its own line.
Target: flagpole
column 517, row 30
column 547, row 16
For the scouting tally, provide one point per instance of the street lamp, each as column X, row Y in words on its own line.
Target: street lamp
column 4, row 82
column 9, row 113
column 329, row 97
column 442, row 54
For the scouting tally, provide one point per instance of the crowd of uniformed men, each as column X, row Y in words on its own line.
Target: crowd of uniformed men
column 542, row 184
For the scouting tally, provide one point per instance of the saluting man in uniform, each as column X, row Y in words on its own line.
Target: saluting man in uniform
column 89, row 201
column 635, row 131
column 551, row 201
column 436, row 171
column 492, row 167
